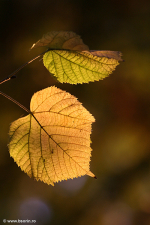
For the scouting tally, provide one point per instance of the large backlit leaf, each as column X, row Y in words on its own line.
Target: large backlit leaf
column 69, row 60
column 53, row 142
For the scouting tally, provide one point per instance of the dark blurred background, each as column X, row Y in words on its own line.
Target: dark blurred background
column 120, row 104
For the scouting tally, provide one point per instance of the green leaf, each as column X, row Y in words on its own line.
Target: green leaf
column 80, row 67
column 53, row 142
column 70, row 61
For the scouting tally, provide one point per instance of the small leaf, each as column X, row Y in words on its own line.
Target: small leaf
column 69, row 60
column 53, row 142
column 81, row 67
column 61, row 40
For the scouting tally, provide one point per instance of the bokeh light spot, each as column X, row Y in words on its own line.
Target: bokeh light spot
column 35, row 209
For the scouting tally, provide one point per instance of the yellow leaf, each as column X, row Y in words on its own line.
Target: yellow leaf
column 53, row 142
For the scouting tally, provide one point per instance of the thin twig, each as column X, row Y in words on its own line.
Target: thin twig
column 24, row 108
column 16, row 71
column 17, row 103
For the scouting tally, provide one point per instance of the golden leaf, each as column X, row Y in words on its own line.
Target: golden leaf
column 53, row 142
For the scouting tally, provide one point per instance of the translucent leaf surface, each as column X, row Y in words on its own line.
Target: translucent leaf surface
column 81, row 67
column 70, row 61
column 61, row 40
column 53, row 143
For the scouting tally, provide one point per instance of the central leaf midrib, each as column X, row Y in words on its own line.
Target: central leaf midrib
column 92, row 59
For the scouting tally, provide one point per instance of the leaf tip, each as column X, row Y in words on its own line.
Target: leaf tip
column 32, row 47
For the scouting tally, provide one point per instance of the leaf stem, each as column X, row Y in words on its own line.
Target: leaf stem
column 24, row 108
column 17, row 103
column 16, row 71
